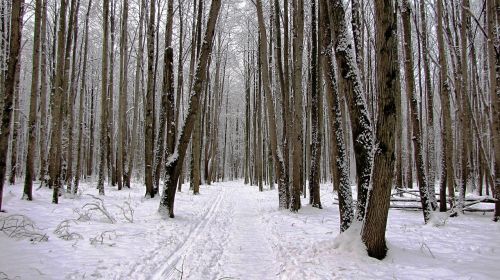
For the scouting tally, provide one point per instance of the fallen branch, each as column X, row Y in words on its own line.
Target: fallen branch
column 100, row 239
column 62, row 231
column 21, row 227
column 98, row 205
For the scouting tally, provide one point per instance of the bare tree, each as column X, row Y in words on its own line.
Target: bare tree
column 57, row 108
column 389, row 92
column 350, row 84
column 174, row 162
column 149, row 108
column 30, row 157
column 447, row 177
column 316, row 116
column 82, row 95
column 17, row 11
column 104, row 98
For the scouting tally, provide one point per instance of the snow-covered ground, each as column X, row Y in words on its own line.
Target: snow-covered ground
column 232, row 231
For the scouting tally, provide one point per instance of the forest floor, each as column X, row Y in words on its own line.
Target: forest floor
column 229, row 231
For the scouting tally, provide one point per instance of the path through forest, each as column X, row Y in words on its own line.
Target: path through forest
column 231, row 242
column 233, row 231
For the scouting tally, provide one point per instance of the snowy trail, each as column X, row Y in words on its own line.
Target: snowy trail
column 169, row 269
column 230, row 242
column 248, row 253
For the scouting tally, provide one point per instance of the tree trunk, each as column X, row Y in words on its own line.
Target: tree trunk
column 316, row 116
column 350, row 85
column 17, row 12
column 340, row 167
column 447, row 177
column 43, row 135
column 104, row 98
column 82, row 94
column 280, row 170
column 57, row 108
column 30, row 157
column 149, row 108
column 298, row 37
column 493, row 43
column 138, row 91
column 419, row 150
column 389, row 94
column 121, row 154
column 174, row 163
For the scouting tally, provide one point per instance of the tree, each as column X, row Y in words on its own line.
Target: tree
column 493, row 43
column 174, row 163
column 57, row 108
column 386, row 55
column 340, row 166
column 447, row 176
column 298, row 45
column 149, row 108
column 351, row 86
column 104, row 93
column 17, row 12
column 121, row 154
column 30, row 156
column 271, row 121
column 419, row 150
column 316, row 116
column 167, row 99
column 82, row 94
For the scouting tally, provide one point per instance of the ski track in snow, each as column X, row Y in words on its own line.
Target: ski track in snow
column 173, row 264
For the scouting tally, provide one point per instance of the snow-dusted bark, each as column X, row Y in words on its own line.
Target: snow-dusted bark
column 430, row 151
column 82, row 103
column 316, row 116
column 167, row 101
column 418, row 151
column 332, row 96
column 494, row 79
column 389, row 94
column 174, row 163
column 298, row 45
column 121, row 153
column 447, row 176
column 17, row 11
column 149, row 108
column 271, row 117
column 350, row 86
column 104, row 99
column 30, row 157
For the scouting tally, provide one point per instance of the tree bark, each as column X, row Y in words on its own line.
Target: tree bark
column 278, row 160
column 419, row 150
column 17, row 11
column 30, row 157
column 389, row 93
column 82, row 96
column 175, row 161
column 447, row 176
column 57, row 108
column 149, row 109
column 350, row 84
column 340, row 166
column 104, row 98
column 316, row 116
column 298, row 46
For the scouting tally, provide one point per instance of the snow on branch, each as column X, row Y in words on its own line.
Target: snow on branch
column 98, row 206
column 21, row 227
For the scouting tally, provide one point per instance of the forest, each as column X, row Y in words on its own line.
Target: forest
column 367, row 119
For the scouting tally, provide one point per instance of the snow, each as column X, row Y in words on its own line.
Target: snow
column 233, row 231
